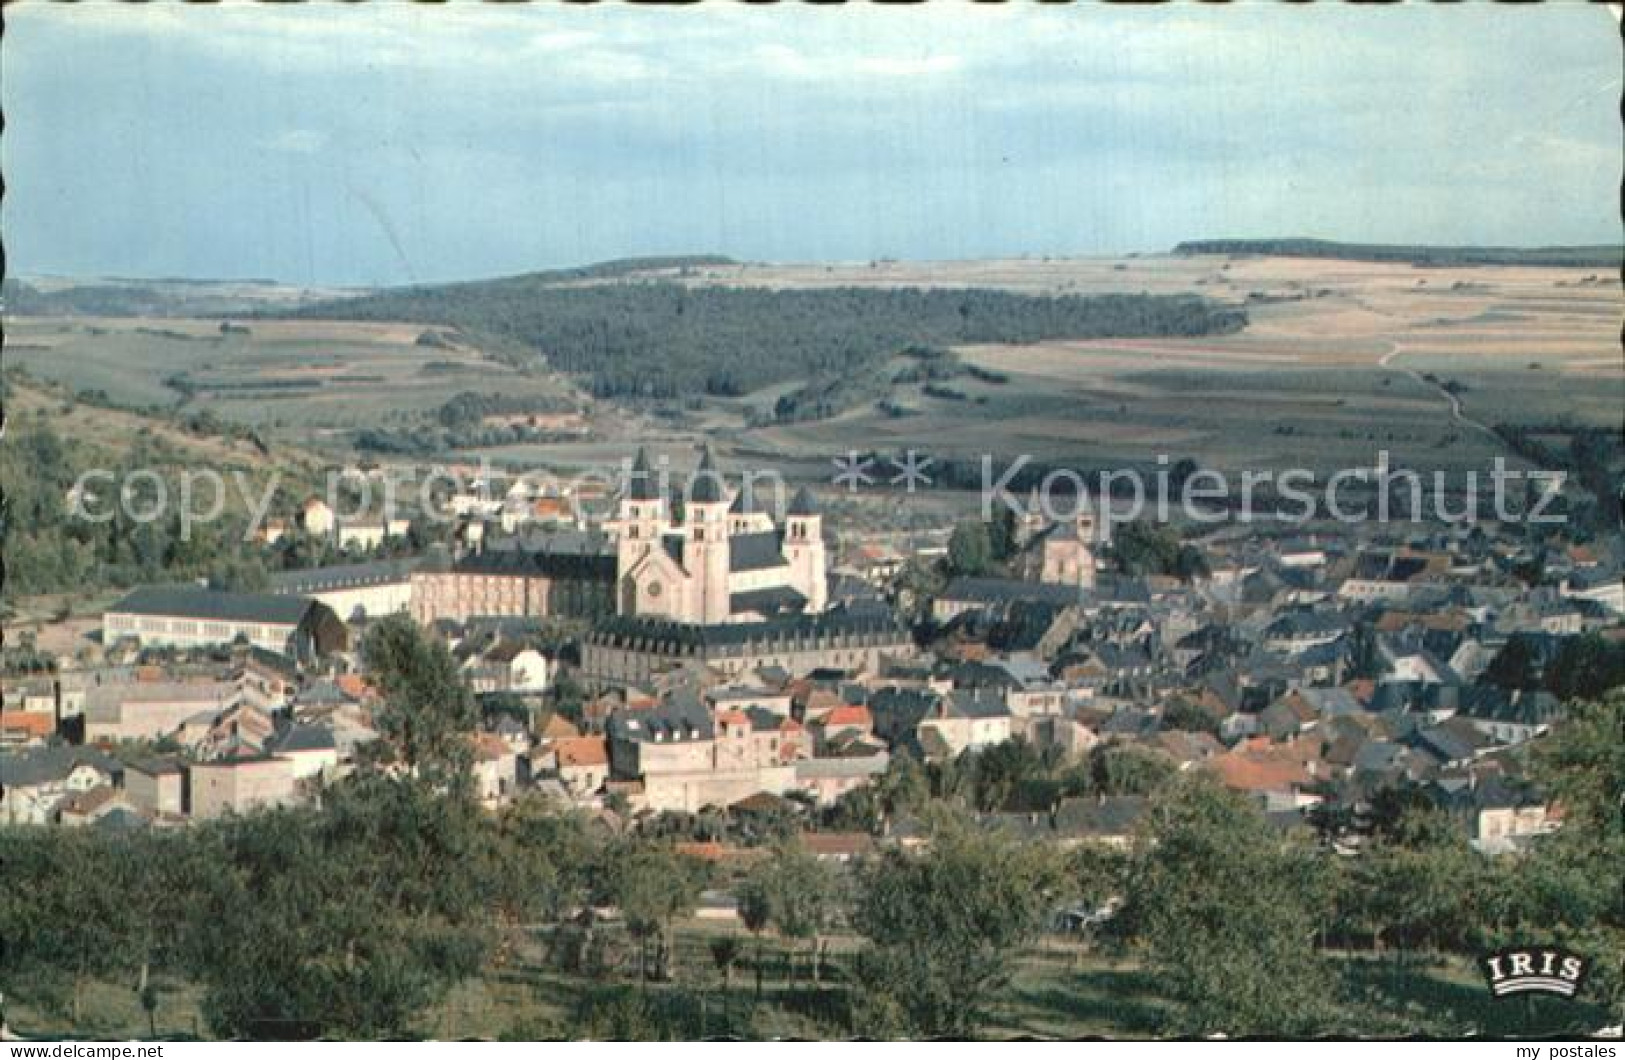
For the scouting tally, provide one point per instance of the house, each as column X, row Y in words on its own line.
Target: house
column 1298, row 631
column 99, row 804
column 968, row 719
column 582, row 763
column 496, row 769
column 121, row 711
column 675, row 752
column 1500, row 814
column 156, row 786
column 366, row 536
column 1107, row 820
column 36, row 780
column 827, row 779
column 311, row 748
column 239, row 783
column 777, row 700
column 972, row 594
column 1455, row 742
column 316, row 517
column 512, row 666
column 22, row 727
column 1288, row 717
column 1509, row 717
column 847, row 719
column 188, row 617
column 1276, row 773
column 839, row 847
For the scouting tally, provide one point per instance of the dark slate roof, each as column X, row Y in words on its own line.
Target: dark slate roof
column 120, row 819
column 777, row 600
column 662, row 634
column 305, row 738
column 758, row 551
column 207, row 604
column 43, row 765
column 1008, row 590
column 803, row 503
column 745, row 500
column 321, row 692
column 897, row 711
column 156, row 767
column 642, row 483
column 274, row 661
column 977, row 703
column 680, row 717
column 555, row 556
column 344, row 576
column 1107, row 815
column 764, row 720
column 1306, row 624
column 980, row 675
column 1450, row 742
column 1489, row 703
column 706, row 485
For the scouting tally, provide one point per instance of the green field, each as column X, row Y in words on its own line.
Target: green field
column 1059, row 990
column 304, row 382
column 1339, row 359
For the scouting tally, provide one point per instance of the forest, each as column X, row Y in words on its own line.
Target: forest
column 1601, row 257
column 664, row 340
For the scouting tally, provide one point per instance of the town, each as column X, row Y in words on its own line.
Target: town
column 641, row 664
column 674, row 658
column 811, row 522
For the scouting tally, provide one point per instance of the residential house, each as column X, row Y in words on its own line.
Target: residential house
column 238, row 783
column 37, row 779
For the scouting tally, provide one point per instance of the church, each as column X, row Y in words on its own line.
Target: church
column 724, row 561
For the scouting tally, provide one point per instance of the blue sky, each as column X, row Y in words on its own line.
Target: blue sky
column 388, row 143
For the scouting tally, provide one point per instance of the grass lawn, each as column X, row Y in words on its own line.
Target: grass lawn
column 1058, row 990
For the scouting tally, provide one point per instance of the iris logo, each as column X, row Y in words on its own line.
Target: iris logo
column 1534, row 970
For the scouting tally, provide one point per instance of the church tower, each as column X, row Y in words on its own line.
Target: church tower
column 804, row 548
column 707, row 516
column 643, row 521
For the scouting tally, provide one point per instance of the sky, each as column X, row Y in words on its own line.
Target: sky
column 390, row 143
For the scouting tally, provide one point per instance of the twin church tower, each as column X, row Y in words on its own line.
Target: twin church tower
column 725, row 560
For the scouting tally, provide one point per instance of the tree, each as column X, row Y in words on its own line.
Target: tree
column 944, row 926
column 725, row 952
column 1226, row 912
column 916, row 586
column 1003, row 534
column 1413, row 886
column 348, row 921
column 1124, row 769
column 427, row 712
column 1187, row 715
column 62, row 913
column 1577, row 898
column 1514, row 666
column 755, row 912
column 1586, row 667
column 652, row 885
column 970, row 552
column 1000, row 771
column 799, row 893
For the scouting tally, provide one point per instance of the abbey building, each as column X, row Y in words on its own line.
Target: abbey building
column 723, row 561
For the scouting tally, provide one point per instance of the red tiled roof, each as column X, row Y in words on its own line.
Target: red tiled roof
column 582, row 751
column 848, row 715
